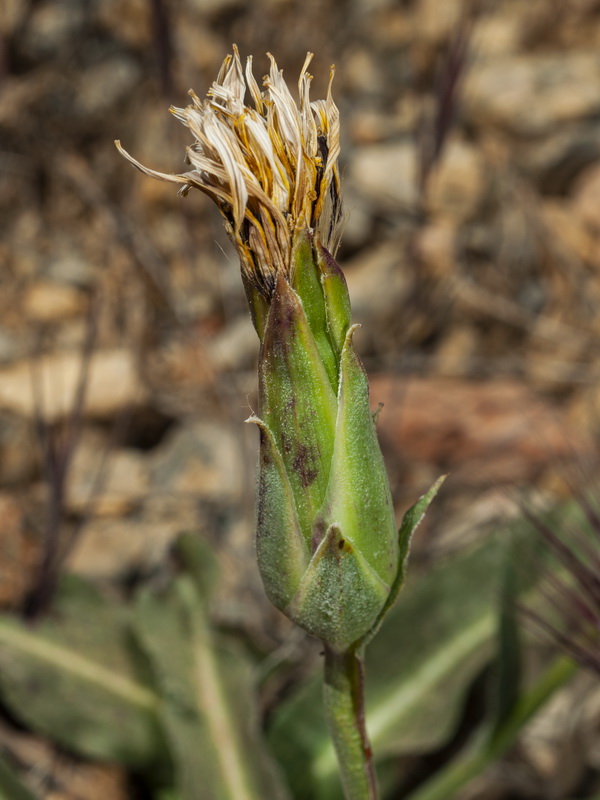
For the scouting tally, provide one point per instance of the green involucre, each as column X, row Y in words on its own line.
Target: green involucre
column 326, row 536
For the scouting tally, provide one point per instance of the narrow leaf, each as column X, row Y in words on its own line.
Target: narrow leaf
column 506, row 684
column 78, row 678
column 207, row 709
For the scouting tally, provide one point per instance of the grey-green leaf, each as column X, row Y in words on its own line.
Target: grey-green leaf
column 207, row 709
column 78, row 678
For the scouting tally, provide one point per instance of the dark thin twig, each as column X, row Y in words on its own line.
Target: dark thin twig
column 433, row 132
column 161, row 27
column 571, row 615
column 57, row 445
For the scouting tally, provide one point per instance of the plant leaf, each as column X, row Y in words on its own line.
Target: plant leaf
column 506, row 681
column 207, row 708
column 78, row 678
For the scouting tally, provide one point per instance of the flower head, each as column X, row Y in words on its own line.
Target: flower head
column 271, row 167
column 328, row 550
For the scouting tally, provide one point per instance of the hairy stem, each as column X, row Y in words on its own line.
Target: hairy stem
column 343, row 693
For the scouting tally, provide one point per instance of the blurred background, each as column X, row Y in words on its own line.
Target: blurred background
column 471, row 176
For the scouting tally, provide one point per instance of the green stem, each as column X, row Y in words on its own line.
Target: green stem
column 486, row 750
column 343, row 694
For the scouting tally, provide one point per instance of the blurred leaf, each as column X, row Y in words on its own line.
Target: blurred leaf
column 419, row 667
column 11, row 787
column 511, row 706
column 506, row 677
column 207, row 711
column 78, row 678
column 197, row 558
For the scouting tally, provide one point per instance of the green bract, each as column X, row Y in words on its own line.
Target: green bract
column 326, row 537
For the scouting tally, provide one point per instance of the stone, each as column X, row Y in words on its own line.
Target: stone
column 52, row 27
column 436, row 247
column 366, row 274
column 386, row 174
column 212, row 6
column 49, row 771
column 19, row 451
column 235, row 347
column 363, row 72
column 568, row 230
column 112, row 384
column 531, row 94
column 358, row 224
column 18, row 554
column 114, row 548
column 555, row 747
column 497, row 34
column 46, row 301
column 200, row 459
column 558, row 161
column 457, row 351
column 435, row 21
column 490, row 432
column 130, row 21
column 116, row 480
column 110, row 549
column 70, row 267
column 585, row 198
column 103, row 85
column 456, row 184
column 12, row 346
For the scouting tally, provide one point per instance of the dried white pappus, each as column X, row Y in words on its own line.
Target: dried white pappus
column 270, row 167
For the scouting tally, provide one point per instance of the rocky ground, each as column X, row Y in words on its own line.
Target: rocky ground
column 471, row 172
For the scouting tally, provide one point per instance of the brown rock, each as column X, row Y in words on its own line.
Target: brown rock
column 435, row 21
column 112, row 384
column 235, row 347
column 495, row 431
column 386, row 174
column 436, row 247
column 456, row 185
column 456, row 352
column 531, row 94
column 17, row 558
column 46, row 301
column 568, row 229
column 498, row 33
column 19, row 454
column 586, row 198
column 103, row 85
column 109, row 549
column 367, row 273
column 41, row 765
column 203, row 460
column 117, row 480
